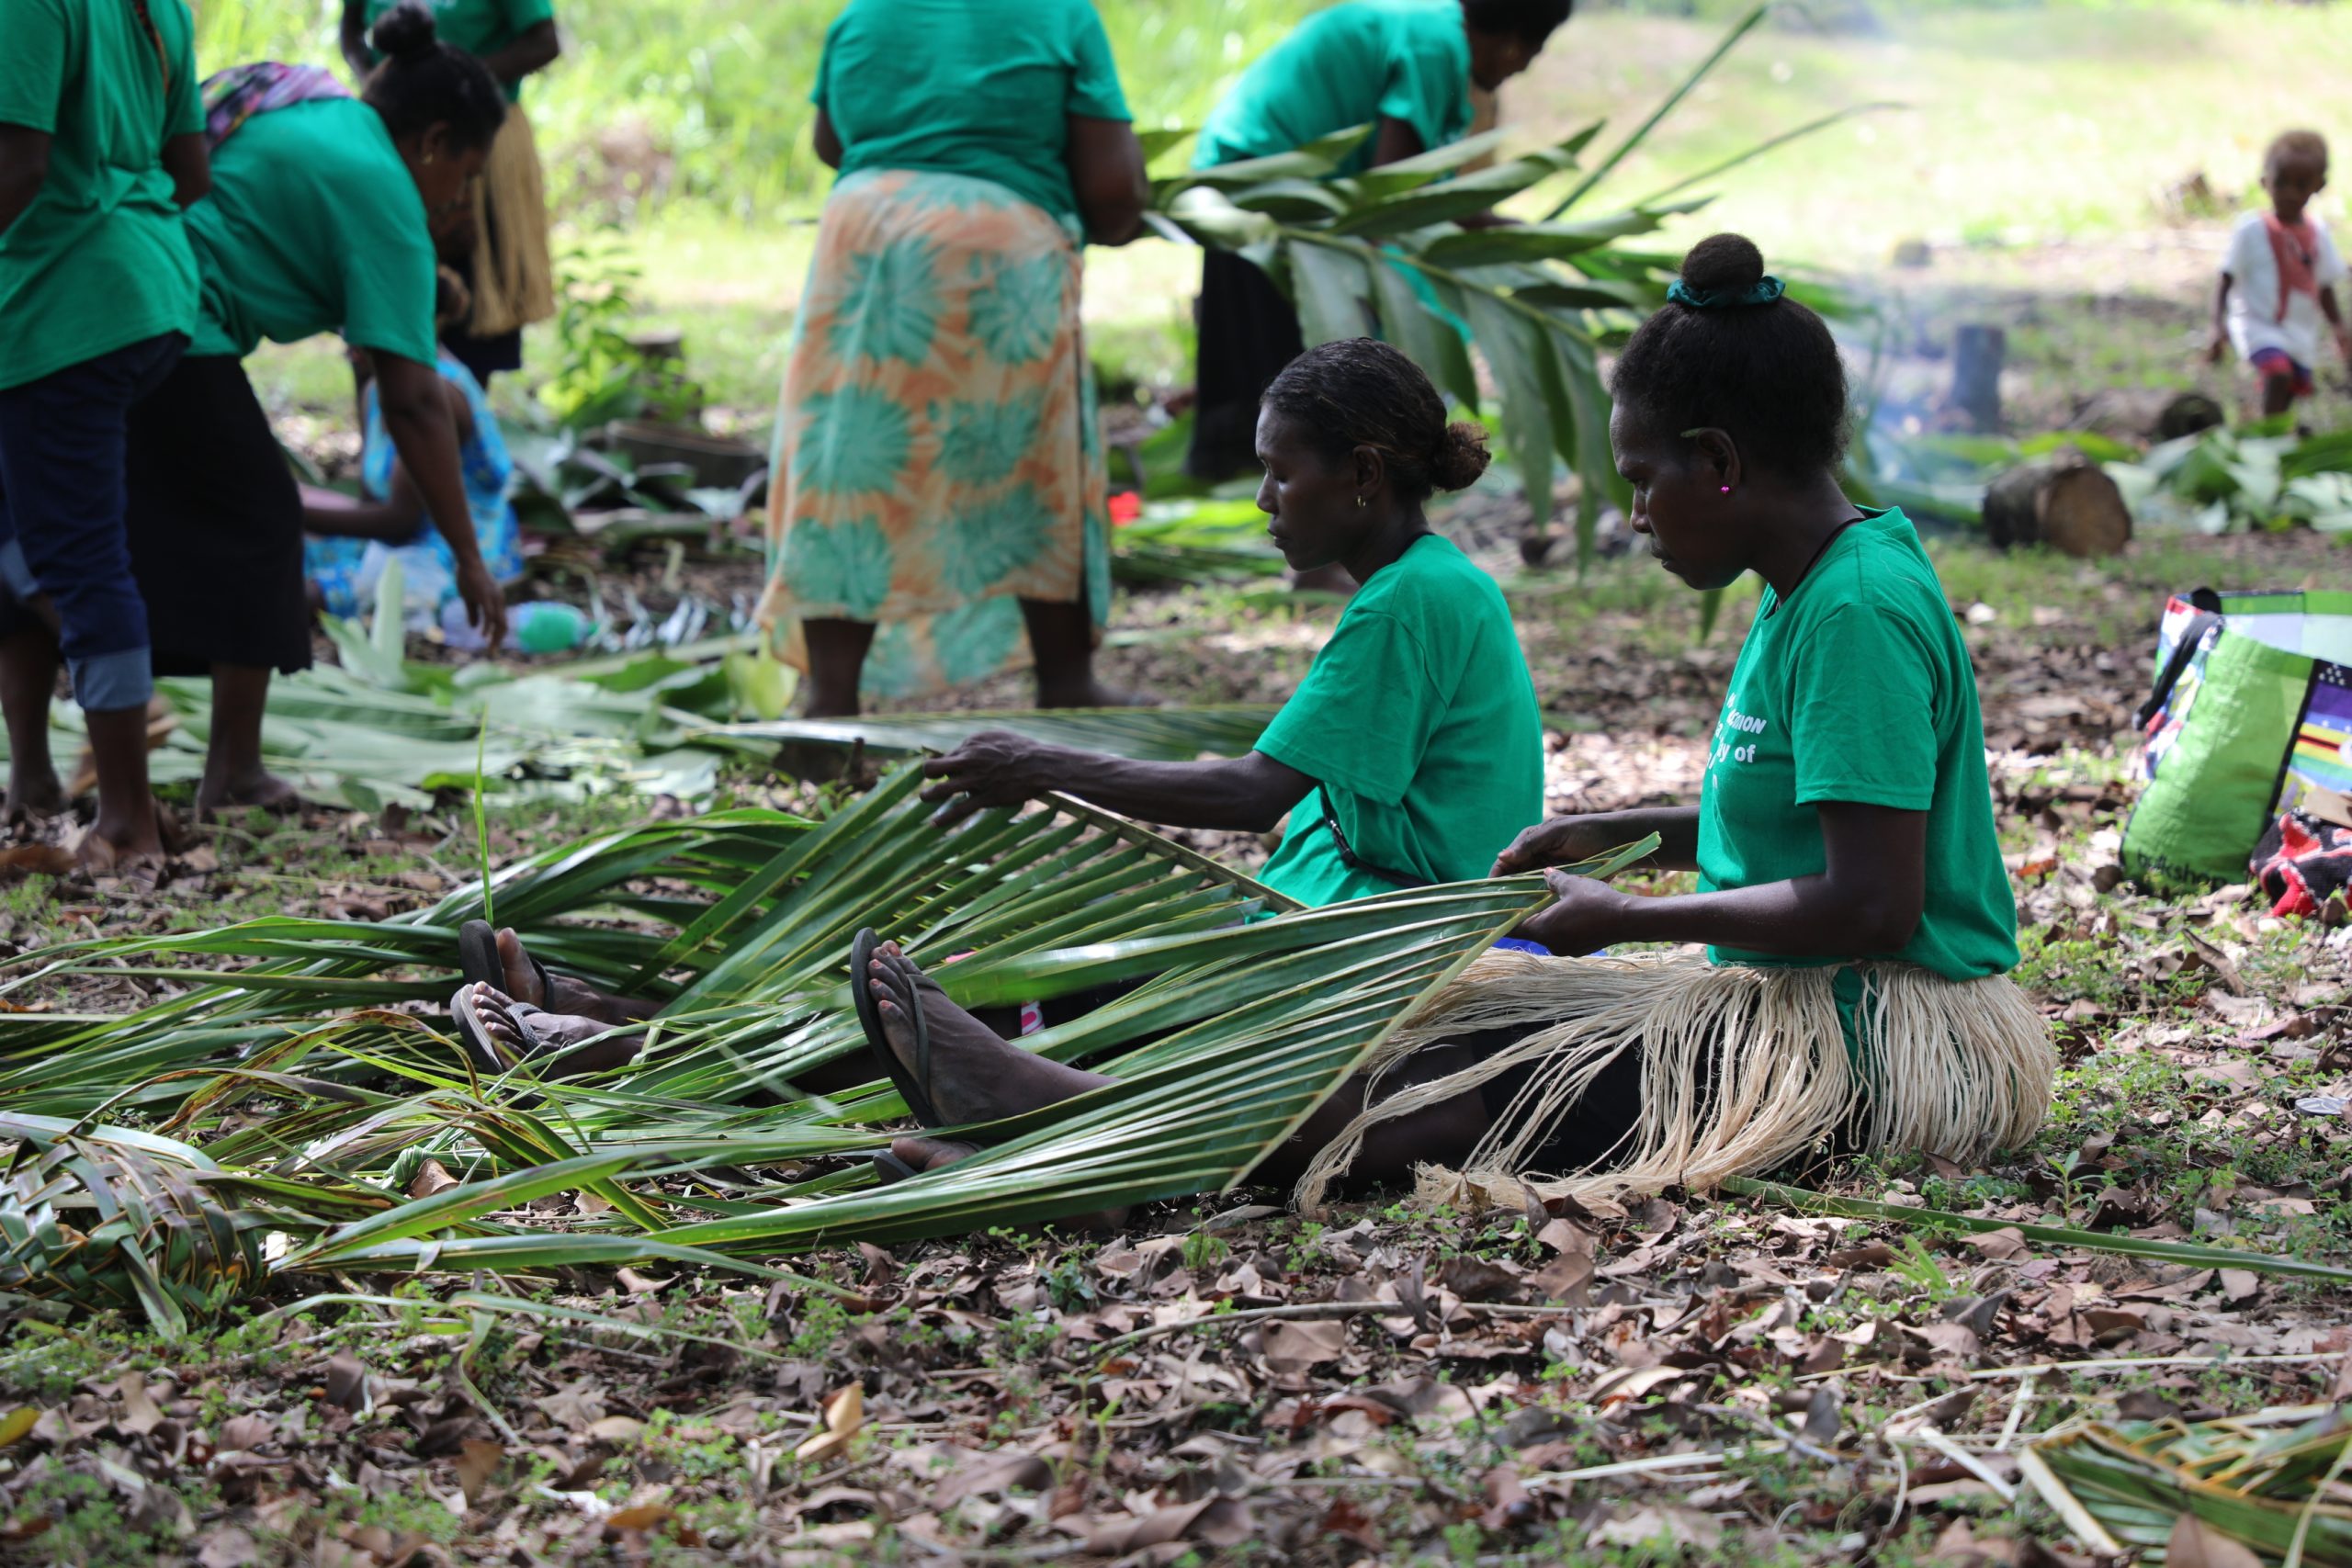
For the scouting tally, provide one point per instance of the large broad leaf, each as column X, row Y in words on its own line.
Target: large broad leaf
column 1332, row 291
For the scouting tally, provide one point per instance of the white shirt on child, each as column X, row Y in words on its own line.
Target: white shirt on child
column 2252, row 266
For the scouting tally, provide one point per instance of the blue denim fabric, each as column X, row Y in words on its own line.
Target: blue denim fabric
column 62, row 500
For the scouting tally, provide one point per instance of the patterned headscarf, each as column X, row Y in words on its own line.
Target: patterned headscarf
column 235, row 96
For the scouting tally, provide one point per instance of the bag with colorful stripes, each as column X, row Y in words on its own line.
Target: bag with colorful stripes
column 2251, row 717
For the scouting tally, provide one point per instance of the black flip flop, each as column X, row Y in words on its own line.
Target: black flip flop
column 911, row 1086
column 478, row 959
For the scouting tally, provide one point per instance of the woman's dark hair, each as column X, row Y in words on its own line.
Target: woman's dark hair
column 1533, row 20
column 1769, row 374
column 1360, row 393
column 423, row 82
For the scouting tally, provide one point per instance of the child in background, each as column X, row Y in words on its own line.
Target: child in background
column 349, row 542
column 2278, row 279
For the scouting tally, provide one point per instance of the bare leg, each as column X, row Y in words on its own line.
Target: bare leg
column 975, row 1077
column 233, row 775
column 126, row 823
column 28, row 680
column 2278, row 395
column 1061, row 641
column 836, row 659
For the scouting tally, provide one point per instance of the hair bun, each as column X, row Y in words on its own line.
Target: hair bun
column 1460, row 456
column 407, row 31
column 1723, row 263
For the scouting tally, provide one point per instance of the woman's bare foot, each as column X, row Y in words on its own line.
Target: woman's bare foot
column 975, row 1077
column 33, row 791
column 932, row 1153
column 561, row 1041
column 561, row 994
column 143, row 863
column 252, row 789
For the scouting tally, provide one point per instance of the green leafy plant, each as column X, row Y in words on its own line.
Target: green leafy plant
column 1385, row 251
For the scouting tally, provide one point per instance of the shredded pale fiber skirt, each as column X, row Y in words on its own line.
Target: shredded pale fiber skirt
column 936, row 456
column 514, row 279
column 1741, row 1070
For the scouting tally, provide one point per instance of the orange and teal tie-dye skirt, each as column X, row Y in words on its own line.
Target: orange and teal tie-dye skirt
column 936, row 456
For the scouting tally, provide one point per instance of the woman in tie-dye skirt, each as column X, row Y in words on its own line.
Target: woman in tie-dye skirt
column 938, row 510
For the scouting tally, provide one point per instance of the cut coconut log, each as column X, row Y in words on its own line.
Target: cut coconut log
column 2065, row 502
column 2187, row 414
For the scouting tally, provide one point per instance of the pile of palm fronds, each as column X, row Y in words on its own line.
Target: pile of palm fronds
column 2275, row 1480
column 2252, row 477
column 1383, row 252
column 293, row 1081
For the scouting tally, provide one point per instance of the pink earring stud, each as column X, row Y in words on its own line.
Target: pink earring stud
column 1726, row 490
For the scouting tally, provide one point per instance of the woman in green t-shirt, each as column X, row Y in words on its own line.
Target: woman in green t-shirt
column 320, row 220
column 100, row 149
column 1404, row 67
column 1415, row 742
column 1852, row 895
column 939, row 494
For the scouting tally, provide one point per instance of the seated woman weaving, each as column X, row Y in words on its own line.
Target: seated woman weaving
column 1851, row 891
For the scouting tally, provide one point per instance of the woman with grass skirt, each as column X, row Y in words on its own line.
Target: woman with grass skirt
column 1858, row 917
column 939, row 492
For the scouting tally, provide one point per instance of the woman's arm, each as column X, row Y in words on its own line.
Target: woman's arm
column 1106, row 173
column 828, row 141
column 331, row 514
column 188, row 163
column 1564, row 840
column 533, row 49
column 354, row 38
column 24, row 169
column 1249, row 792
column 1867, row 899
column 1394, row 140
column 416, row 415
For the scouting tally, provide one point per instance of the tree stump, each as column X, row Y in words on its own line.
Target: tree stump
column 2065, row 502
column 1976, row 355
column 2186, row 414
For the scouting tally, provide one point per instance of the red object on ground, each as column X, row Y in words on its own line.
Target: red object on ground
column 1125, row 506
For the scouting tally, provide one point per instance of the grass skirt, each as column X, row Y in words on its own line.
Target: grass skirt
column 1742, row 1069
column 514, row 279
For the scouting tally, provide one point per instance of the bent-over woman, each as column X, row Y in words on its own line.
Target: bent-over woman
column 320, row 220
column 503, row 246
column 1857, row 915
column 939, row 483
column 100, row 149
column 1406, row 68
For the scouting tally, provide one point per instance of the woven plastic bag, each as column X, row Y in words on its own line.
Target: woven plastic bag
column 2251, row 710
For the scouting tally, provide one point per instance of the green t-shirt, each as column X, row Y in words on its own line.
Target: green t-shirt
column 1350, row 66
column 314, row 226
column 1420, row 725
column 100, row 260
column 478, row 27
column 1859, row 688
column 977, row 87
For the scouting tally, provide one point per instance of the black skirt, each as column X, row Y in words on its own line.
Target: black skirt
column 216, row 526
column 1248, row 332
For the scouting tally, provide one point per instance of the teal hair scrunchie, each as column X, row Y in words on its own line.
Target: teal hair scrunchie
column 1763, row 292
